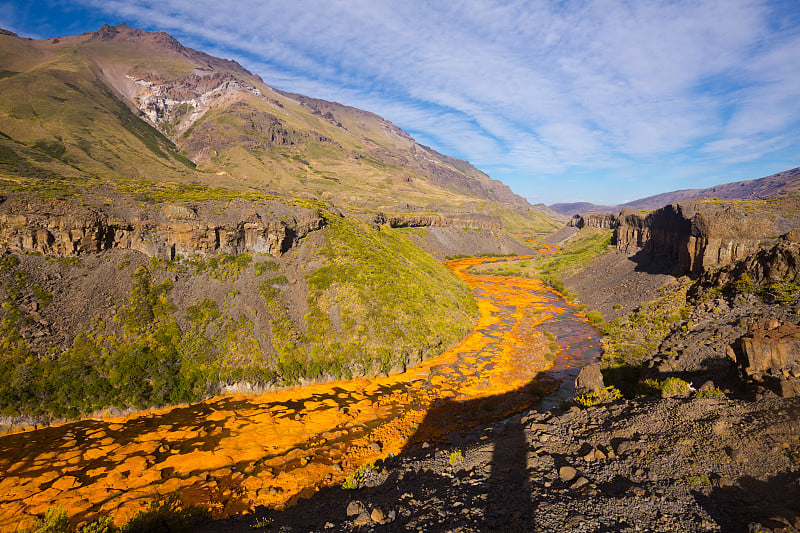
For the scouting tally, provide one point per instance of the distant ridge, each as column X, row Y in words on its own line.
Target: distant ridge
column 572, row 208
column 780, row 184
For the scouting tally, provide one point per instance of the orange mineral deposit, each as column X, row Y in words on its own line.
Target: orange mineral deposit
column 229, row 454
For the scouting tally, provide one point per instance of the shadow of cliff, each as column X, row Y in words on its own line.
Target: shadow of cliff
column 774, row 503
column 651, row 262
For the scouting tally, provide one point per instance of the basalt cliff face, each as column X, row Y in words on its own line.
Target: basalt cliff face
column 59, row 228
column 449, row 220
column 595, row 220
column 697, row 235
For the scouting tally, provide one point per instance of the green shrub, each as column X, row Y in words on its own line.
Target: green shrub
column 743, row 285
column 163, row 516
column 55, row 521
column 353, row 480
column 780, row 291
column 594, row 317
column 669, row 387
column 223, row 267
column 697, row 480
column 674, row 387
column 599, row 396
column 456, row 457
column 265, row 266
column 709, row 393
column 647, row 387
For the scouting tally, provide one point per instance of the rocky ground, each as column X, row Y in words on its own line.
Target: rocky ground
column 618, row 279
column 673, row 464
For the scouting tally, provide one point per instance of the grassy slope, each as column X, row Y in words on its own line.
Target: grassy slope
column 59, row 109
column 526, row 221
column 334, row 169
column 586, row 245
column 53, row 100
column 379, row 302
column 375, row 302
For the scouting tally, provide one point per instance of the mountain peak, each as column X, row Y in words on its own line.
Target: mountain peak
column 124, row 32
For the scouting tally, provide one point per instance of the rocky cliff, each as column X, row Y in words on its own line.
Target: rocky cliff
column 770, row 354
column 699, row 234
column 445, row 220
column 595, row 220
column 779, row 263
column 68, row 228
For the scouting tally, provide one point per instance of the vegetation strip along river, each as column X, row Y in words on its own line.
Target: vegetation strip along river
column 233, row 453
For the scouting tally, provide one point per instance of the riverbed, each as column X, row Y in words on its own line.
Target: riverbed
column 233, row 453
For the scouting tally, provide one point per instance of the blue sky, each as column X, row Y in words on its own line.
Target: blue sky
column 603, row 101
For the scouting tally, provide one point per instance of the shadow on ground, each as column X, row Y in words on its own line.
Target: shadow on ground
column 496, row 498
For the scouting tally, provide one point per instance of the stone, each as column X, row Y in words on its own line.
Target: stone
column 362, row 520
column 770, row 354
column 580, row 482
column 736, row 455
column 377, row 515
column 793, row 235
column 589, row 379
column 567, row 473
column 355, row 507
column 599, row 455
column 623, row 446
column 375, row 446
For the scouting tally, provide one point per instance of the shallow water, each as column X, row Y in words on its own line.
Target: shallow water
column 232, row 453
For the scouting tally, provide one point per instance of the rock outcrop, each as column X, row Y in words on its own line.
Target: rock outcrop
column 594, row 220
column 694, row 235
column 589, row 380
column 699, row 235
column 66, row 228
column 454, row 220
column 770, row 355
column 780, row 262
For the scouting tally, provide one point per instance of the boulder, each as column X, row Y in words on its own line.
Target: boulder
column 770, row 354
column 567, row 473
column 589, row 379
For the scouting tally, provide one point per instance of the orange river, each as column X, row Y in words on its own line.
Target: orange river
column 233, row 453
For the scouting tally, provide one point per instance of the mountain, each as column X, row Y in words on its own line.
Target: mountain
column 571, row 208
column 781, row 184
column 121, row 104
column 774, row 186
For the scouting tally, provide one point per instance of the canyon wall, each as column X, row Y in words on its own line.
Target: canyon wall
column 447, row 220
column 68, row 228
column 694, row 235
column 595, row 220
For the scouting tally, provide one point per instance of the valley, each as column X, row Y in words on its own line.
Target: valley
column 231, row 454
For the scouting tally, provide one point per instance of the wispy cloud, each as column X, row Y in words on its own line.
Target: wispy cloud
column 596, row 89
